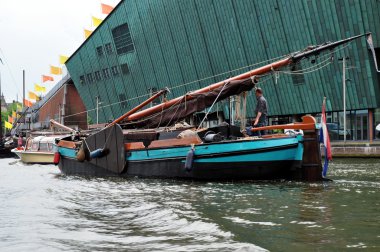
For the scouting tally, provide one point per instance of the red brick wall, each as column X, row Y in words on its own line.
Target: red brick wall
column 74, row 105
column 76, row 108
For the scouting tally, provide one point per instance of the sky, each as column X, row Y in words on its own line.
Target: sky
column 33, row 33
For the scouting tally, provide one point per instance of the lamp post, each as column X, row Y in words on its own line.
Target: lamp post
column 344, row 96
column 97, row 108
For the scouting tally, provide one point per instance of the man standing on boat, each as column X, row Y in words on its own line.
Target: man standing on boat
column 261, row 112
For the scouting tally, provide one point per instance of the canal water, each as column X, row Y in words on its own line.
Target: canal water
column 42, row 210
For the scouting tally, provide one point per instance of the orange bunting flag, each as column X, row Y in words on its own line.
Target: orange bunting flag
column 96, row 21
column 106, row 9
column 55, row 70
column 10, row 119
column 14, row 115
column 87, row 33
column 27, row 103
column 46, row 78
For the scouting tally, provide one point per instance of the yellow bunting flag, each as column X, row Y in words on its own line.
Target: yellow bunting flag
column 62, row 59
column 87, row 33
column 8, row 125
column 39, row 88
column 33, row 96
column 46, row 78
column 14, row 115
column 19, row 106
column 106, row 9
column 96, row 21
column 55, row 70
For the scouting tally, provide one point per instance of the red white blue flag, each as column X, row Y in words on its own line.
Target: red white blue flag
column 325, row 139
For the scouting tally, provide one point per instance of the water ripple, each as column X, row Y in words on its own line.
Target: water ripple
column 43, row 210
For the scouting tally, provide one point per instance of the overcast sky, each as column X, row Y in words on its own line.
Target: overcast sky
column 33, row 33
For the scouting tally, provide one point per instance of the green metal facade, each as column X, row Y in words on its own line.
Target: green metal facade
column 188, row 44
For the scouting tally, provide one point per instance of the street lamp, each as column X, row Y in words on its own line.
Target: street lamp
column 344, row 96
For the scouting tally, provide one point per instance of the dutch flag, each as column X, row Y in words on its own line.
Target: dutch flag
column 325, row 139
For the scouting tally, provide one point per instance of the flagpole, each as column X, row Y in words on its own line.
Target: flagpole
column 344, row 100
column 23, row 88
column 16, row 106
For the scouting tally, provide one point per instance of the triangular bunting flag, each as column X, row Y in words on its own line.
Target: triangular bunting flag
column 96, row 21
column 55, row 70
column 87, row 33
column 106, row 9
column 62, row 59
column 27, row 103
column 39, row 88
column 46, row 78
column 8, row 125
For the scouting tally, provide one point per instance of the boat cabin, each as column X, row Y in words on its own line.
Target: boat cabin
column 40, row 143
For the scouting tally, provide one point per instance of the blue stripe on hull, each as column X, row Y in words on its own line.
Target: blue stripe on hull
column 278, row 155
column 235, row 151
column 67, row 152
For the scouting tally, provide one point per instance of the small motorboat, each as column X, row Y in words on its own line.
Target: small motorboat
column 37, row 150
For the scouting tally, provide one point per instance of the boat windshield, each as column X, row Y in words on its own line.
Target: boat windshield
column 34, row 146
column 43, row 147
column 50, row 146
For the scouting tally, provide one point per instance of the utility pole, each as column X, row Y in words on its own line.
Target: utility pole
column 344, row 97
column 97, row 108
column 23, row 88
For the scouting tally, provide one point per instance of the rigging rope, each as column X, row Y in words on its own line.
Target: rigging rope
column 212, row 105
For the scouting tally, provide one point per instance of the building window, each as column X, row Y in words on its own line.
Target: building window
column 122, row 39
column 106, row 73
column 108, row 48
column 99, row 51
column 82, row 80
column 90, row 79
column 115, row 70
column 297, row 74
column 123, row 100
column 98, row 77
column 124, row 69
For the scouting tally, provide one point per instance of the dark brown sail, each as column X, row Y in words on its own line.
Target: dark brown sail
column 196, row 102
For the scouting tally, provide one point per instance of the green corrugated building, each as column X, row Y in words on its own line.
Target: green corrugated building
column 145, row 45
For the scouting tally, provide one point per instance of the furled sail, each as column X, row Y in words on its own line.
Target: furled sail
column 197, row 102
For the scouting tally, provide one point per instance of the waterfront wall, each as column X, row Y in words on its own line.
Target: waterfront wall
column 353, row 149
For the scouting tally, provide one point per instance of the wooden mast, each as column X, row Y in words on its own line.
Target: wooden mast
column 158, row 94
